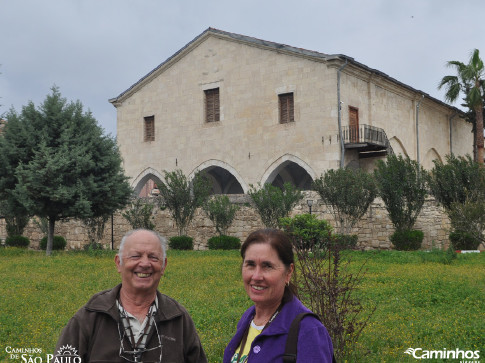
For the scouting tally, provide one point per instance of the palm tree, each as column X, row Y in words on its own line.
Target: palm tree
column 470, row 80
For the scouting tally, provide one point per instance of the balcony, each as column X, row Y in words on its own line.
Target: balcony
column 369, row 141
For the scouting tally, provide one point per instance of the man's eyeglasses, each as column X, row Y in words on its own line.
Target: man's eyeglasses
column 136, row 355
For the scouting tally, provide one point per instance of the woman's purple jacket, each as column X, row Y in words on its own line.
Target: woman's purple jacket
column 314, row 343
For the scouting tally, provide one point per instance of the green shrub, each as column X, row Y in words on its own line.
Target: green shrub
column 59, row 243
column 407, row 240
column 17, row 241
column 349, row 193
column 181, row 243
column 401, row 184
column 307, row 231
column 224, row 242
column 221, row 212
column 273, row 203
column 345, row 241
column 463, row 241
column 140, row 214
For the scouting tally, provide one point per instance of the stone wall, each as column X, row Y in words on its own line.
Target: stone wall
column 373, row 231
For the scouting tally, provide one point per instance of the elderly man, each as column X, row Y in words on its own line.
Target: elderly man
column 133, row 322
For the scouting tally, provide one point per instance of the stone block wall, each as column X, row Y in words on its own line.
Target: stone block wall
column 373, row 230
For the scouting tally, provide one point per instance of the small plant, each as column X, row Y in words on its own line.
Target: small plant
column 182, row 196
column 224, row 242
column 221, row 212
column 181, row 243
column 58, row 243
column 273, row 203
column 327, row 284
column 95, row 228
column 348, row 193
column 407, row 240
column 17, row 241
column 140, row 214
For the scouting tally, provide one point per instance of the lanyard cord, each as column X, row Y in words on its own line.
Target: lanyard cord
column 246, row 332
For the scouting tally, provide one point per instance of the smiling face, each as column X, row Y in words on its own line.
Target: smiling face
column 265, row 275
column 143, row 263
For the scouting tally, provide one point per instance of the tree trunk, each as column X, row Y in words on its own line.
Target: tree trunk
column 50, row 236
column 479, row 133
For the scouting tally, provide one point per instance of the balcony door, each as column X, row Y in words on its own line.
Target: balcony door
column 353, row 124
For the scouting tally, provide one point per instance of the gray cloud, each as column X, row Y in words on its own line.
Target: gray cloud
column 95, row 49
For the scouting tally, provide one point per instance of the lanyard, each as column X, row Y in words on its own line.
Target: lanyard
column 246, row 333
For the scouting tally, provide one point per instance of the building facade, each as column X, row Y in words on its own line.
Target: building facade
column 248, row 111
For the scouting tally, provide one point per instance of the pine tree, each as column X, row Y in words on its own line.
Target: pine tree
column 59, row 165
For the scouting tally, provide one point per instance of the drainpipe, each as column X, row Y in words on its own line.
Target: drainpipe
column 451, row 134
column 342, row 148
column 417, row 129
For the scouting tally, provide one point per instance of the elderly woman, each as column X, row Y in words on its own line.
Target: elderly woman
column 261, row 335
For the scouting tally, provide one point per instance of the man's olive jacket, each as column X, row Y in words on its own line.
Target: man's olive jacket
column 93, row 333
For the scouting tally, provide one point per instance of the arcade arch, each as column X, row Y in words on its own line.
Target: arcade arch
column 289, row 169
column 431, row 155
column 397, row 146
column 225, row 179
column 145, row 183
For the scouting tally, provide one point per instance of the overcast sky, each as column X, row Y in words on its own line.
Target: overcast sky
column 95, row 49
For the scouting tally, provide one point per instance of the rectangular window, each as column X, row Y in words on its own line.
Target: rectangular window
column 212, row 111
column 287, row 109
column 149, row 128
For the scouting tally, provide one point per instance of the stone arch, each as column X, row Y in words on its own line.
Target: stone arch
column 397, row 146
column 146, row 181
column 289, row 168
column 431, row 155
column 225, row 179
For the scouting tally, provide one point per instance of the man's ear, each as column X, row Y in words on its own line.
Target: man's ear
column 118, row 263
column 164, row 265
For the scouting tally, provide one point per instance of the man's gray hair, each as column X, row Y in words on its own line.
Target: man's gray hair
column 161, row 239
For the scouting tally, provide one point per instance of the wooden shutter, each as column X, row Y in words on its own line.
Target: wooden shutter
column 287, row 109
column 212, row 112
column 150, row 128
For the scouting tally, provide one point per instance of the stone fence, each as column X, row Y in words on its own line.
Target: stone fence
column 373, row 230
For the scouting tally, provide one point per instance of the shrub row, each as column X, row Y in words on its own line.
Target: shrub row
column 214, row 243
column 17, row 241
column 224, row 242
column 407, row 240
column 58, row 243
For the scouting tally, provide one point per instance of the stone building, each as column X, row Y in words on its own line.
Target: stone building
column 249, row 111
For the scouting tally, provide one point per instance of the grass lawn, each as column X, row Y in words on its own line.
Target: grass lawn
column 422, row 302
